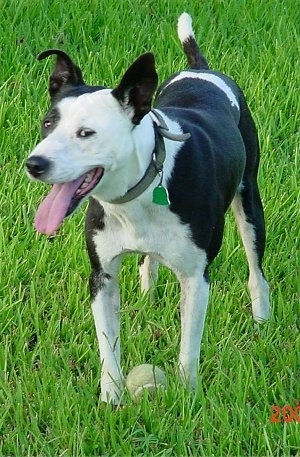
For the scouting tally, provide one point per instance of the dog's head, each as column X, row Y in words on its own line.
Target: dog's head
column 88, row 136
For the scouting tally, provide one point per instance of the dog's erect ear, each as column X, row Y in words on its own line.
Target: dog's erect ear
column 137, row 87
column 65, row 73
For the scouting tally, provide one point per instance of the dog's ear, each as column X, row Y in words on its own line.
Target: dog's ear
column 65, row 73
column 137, row 87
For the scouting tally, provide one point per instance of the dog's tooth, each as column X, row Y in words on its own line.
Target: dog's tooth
column 88, row 178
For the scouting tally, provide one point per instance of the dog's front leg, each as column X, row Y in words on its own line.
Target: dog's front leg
column 106, row 311
column 193, row 306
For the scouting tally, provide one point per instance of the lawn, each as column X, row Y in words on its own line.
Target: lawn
column 49, row 362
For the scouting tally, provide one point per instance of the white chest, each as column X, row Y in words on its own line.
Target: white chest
column 153, row 230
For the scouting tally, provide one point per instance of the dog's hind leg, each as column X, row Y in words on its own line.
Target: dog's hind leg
column 148, row 270
column 248, row 212
column 249, row 215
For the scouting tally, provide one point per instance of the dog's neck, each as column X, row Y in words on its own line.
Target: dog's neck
column 156, row 163
column 154, row 168
column 144, row 147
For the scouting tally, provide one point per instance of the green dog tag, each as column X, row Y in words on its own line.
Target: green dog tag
column 160, row 196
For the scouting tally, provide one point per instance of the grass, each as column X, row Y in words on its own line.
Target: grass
column 49, row 378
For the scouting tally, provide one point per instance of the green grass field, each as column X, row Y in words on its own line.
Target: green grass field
column 49, row 363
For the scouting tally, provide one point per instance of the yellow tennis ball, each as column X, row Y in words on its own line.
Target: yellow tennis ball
column 142, row 377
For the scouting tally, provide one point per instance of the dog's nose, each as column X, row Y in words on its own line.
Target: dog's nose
column 37, row 165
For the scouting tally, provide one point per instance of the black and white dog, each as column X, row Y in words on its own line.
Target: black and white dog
column 160, row 182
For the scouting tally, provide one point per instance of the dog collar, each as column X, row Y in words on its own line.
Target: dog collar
column 155, row 167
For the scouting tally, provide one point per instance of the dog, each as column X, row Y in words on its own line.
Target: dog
column 159, row 180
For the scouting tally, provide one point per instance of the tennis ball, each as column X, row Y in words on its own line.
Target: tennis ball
column 147, row 377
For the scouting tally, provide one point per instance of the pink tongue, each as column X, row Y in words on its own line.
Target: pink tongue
column 54, row 207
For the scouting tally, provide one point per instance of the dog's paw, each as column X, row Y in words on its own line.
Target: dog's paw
column 112, row 393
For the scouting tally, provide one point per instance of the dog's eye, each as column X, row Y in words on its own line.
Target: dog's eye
column 83, row 133
column 47, row 123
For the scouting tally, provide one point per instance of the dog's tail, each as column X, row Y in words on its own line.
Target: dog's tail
column 192, row 51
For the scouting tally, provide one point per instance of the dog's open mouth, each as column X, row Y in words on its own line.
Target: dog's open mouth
column 63, row 199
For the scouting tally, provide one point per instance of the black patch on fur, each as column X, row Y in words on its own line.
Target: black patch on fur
column 141, row 260
column 52, row 117
column 50, row 121
column 94, row 222
column 194, row 56
column 209, row 166
column 76, row 91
